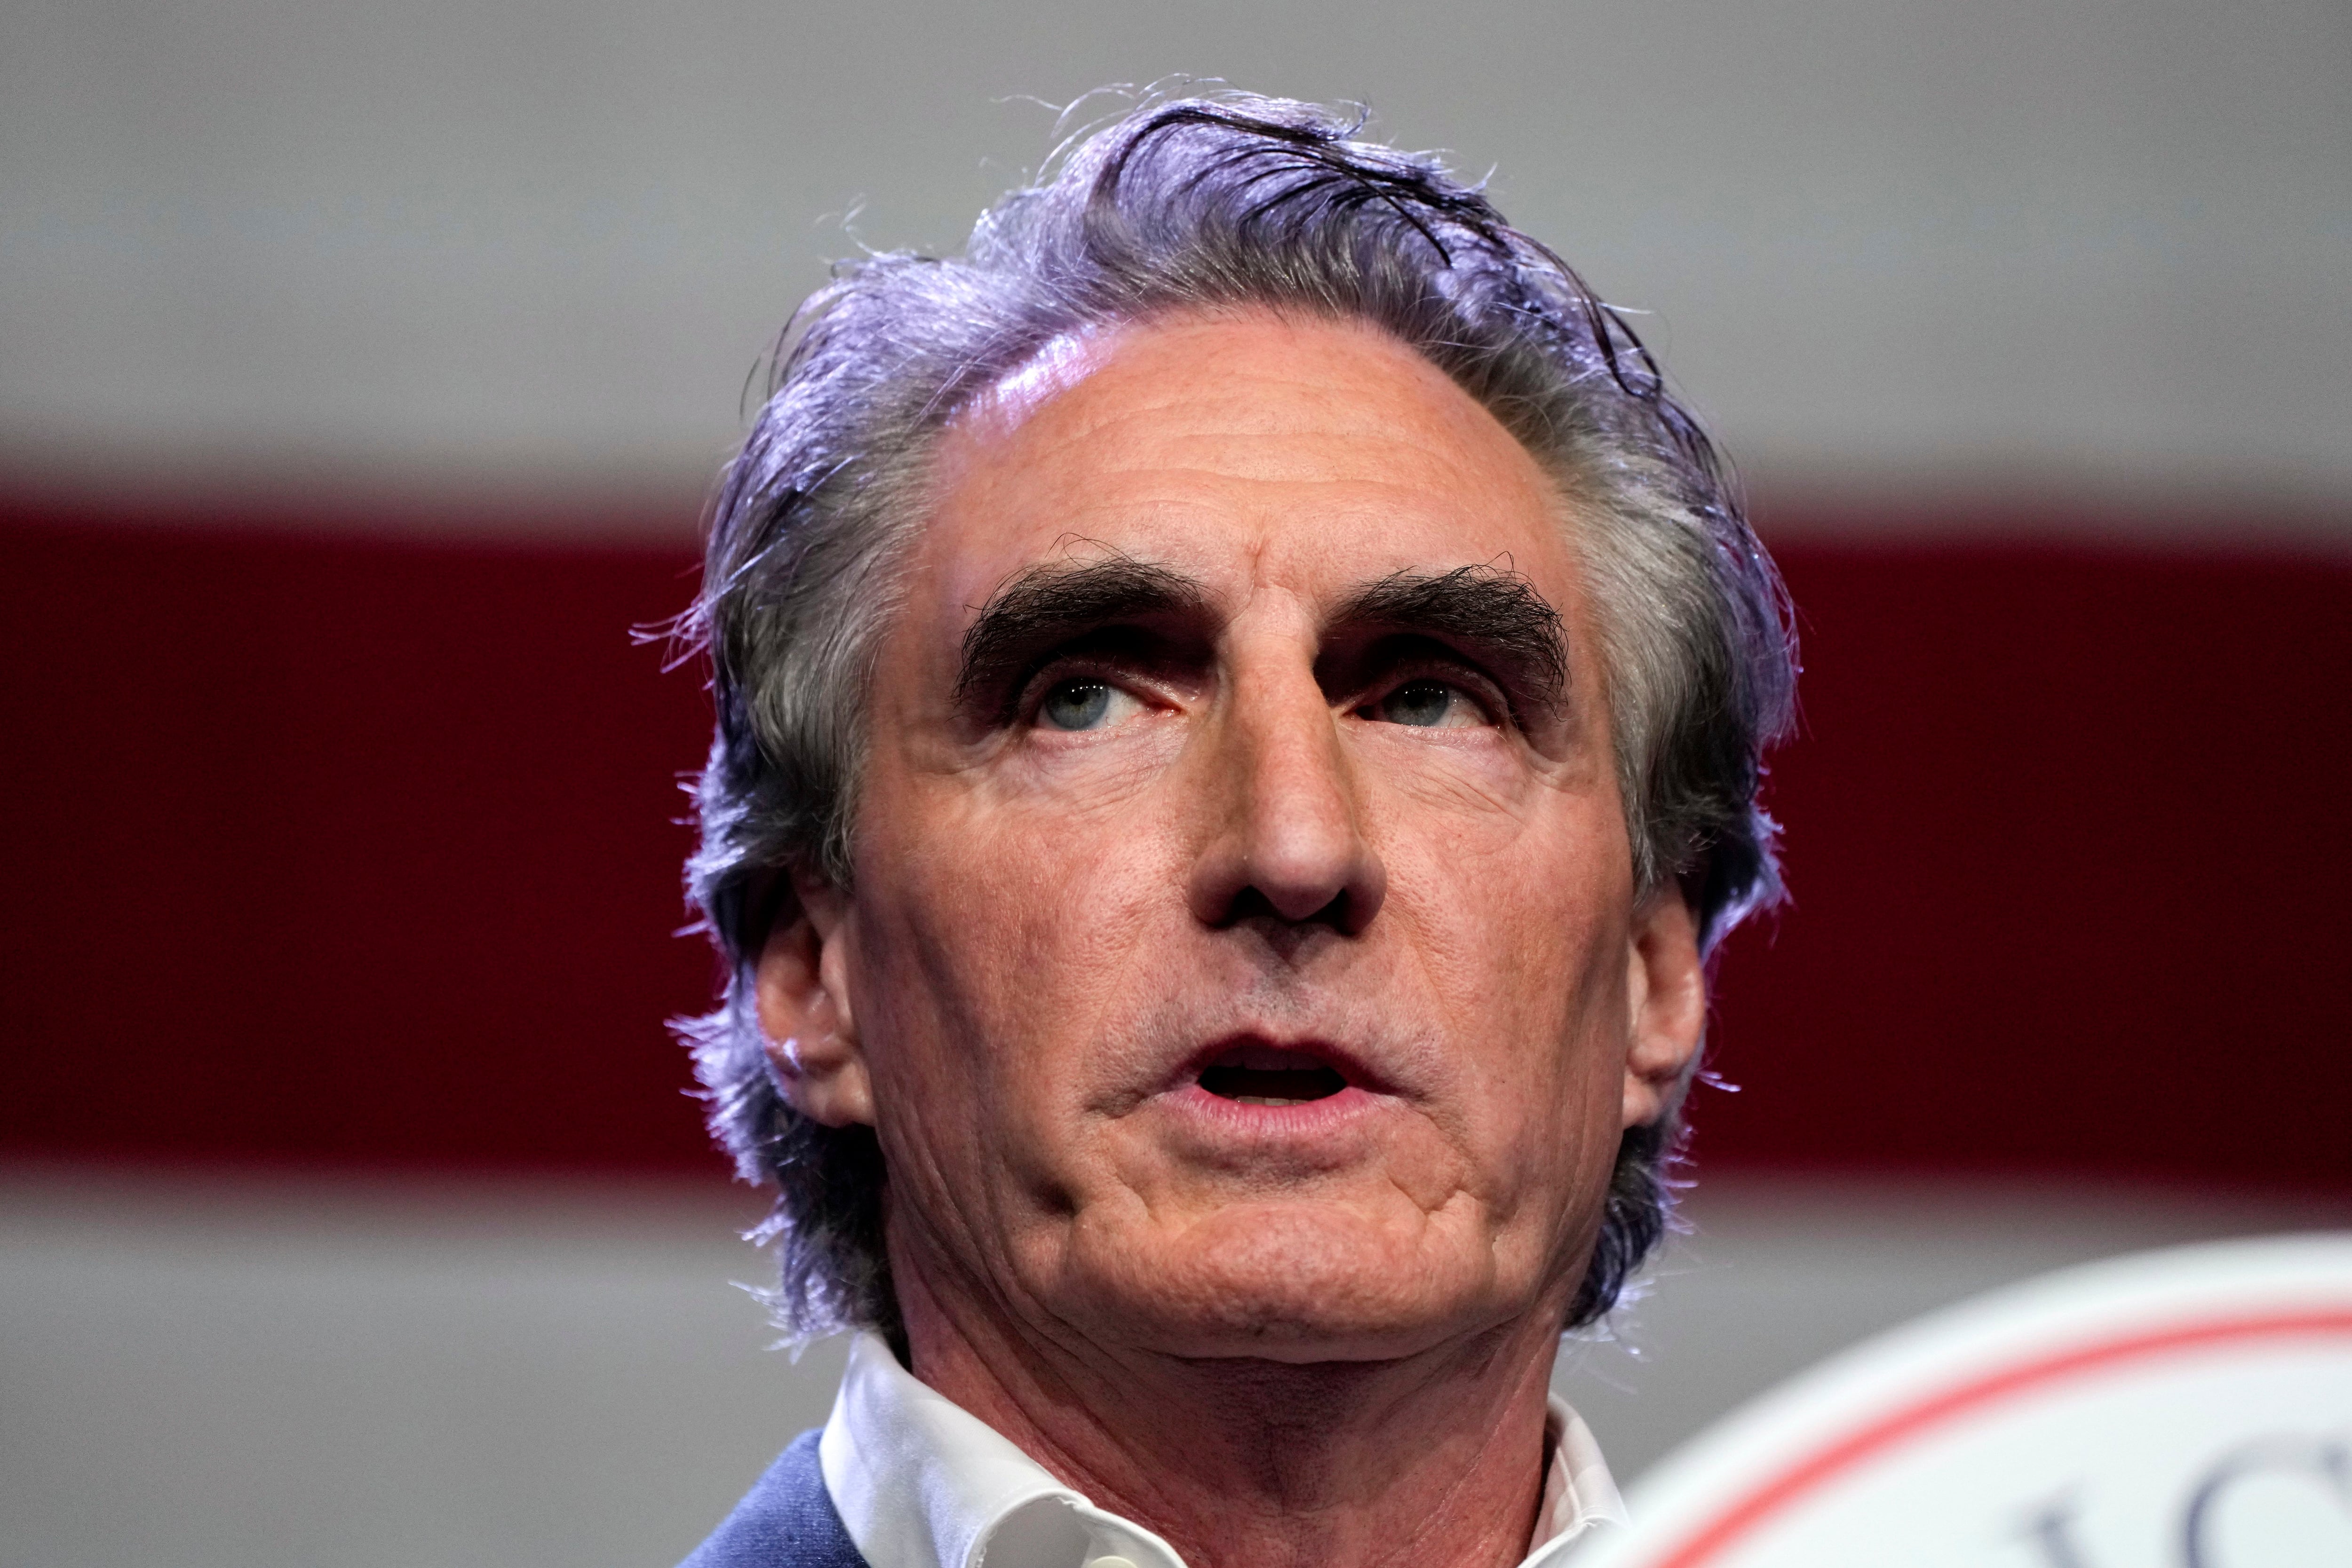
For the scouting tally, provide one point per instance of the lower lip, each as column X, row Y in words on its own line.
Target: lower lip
column 1299, row 1119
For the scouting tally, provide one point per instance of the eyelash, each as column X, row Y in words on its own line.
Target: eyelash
column 1471, row 681
column 1029, row 694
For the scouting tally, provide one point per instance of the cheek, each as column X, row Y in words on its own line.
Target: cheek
column 1511, row 929
column 1516, row 885
column 992, row 944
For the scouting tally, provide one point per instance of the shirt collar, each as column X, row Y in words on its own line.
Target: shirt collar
column 1580, row 1497
column 920, row 1482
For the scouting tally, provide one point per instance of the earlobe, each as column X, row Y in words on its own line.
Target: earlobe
column 810, row 1028
column 1666, row 993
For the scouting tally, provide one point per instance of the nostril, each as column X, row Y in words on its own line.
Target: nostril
column 1252, row 910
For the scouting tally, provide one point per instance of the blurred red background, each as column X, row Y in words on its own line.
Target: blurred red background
column 360, row 847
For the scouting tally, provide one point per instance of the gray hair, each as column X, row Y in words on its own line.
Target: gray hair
column 1199, row 205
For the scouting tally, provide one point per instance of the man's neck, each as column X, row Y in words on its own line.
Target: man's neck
column 1435, row 1458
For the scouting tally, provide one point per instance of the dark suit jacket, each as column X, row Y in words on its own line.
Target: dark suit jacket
column 786, row 1521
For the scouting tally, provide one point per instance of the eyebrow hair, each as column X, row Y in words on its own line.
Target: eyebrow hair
column 1495, row 613
column 1048, row 604
column 1491, row 611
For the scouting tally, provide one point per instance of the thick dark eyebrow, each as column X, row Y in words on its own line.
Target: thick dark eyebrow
column 1487, row 613
column 1046, row 605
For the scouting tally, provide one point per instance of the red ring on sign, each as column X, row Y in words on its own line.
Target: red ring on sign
column 1804, row 1476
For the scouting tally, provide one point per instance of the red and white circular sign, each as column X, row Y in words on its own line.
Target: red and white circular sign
column 2189, row 1408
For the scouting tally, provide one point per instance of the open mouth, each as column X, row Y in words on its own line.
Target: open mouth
column 1263, row 1075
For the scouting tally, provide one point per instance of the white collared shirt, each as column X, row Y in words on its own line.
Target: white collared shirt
column 921, row 1482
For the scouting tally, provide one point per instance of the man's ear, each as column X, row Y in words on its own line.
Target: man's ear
column 1666, row 991
column 801, row 980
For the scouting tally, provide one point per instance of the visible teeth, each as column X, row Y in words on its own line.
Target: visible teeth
column 1264, row 1100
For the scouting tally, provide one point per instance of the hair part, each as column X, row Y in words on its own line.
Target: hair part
column 1196, row 205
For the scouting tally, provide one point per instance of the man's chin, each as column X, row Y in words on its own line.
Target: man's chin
column 1295, row 1288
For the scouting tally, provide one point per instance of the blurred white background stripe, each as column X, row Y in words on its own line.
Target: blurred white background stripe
column 1995, row 248
column 205, row 1372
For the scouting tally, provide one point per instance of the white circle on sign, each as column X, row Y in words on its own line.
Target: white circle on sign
column 2189, row 1408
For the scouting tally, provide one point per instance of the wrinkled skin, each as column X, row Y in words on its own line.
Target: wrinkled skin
column 1241, row 824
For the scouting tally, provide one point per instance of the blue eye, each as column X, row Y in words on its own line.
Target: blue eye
column 1425, row 704
column 1076, row 705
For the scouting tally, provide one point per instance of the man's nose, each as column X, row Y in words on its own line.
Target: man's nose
column 1285, row 832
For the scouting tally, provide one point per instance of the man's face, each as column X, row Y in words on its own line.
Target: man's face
column 1242, row 957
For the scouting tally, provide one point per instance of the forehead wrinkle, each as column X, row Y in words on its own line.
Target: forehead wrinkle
column 1069, row 483
column 1237, row 436
column 1060, row 450
column 1087, row 385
